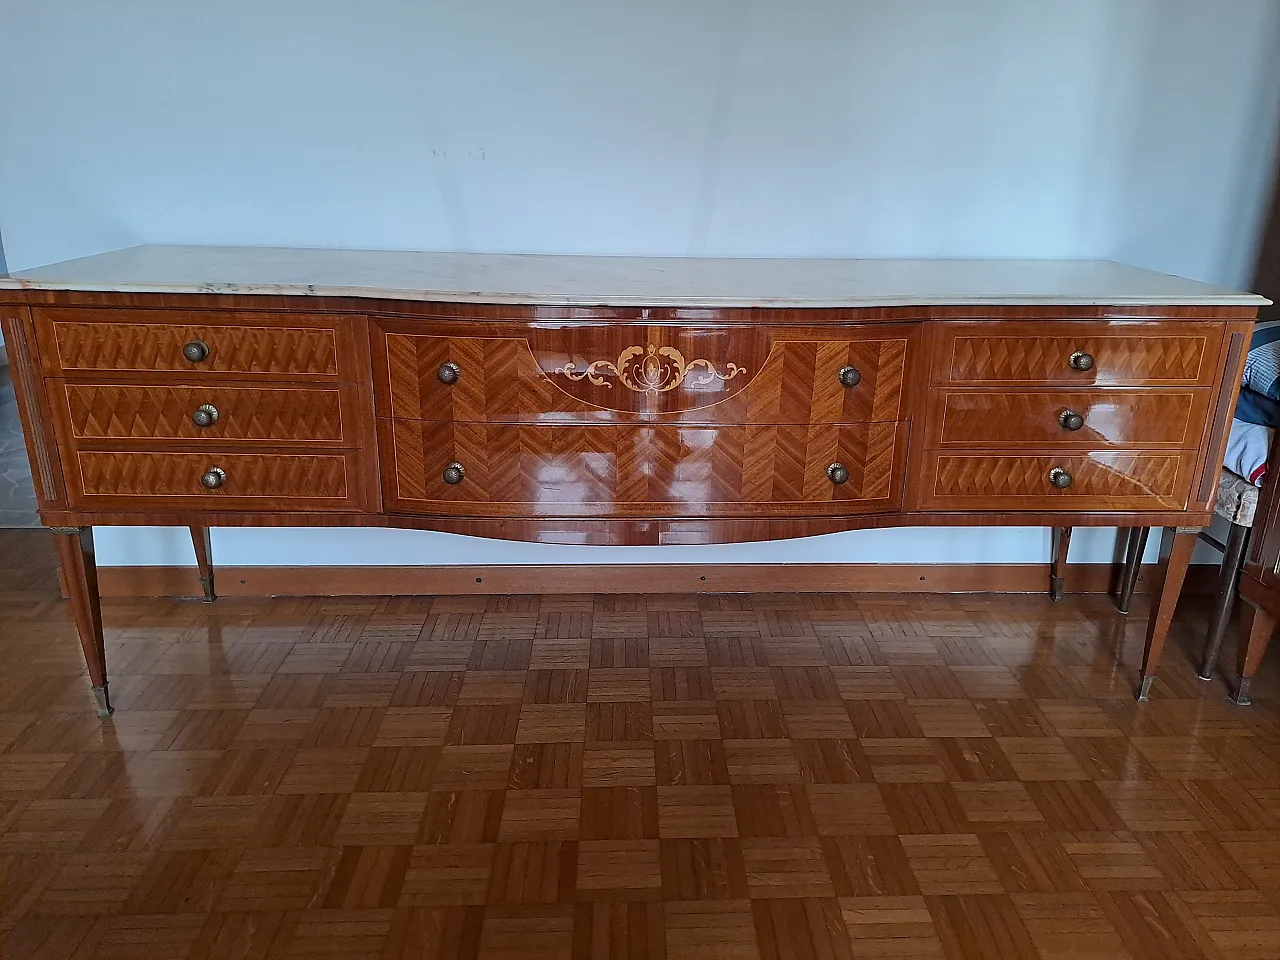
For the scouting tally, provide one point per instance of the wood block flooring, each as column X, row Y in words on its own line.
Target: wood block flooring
column 678, row 777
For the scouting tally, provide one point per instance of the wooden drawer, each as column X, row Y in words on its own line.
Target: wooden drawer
column 650, row 471
column 1101, row 481
column 1169, row 418
column 1168, row 352
column 619, row 374
column 83, row 340
column 122, row 411
column 144, row 480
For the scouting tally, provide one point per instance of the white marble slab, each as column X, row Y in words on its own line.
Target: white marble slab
column 621, row 281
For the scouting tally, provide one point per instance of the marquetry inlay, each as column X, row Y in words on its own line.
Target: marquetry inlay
column 625, row 402
column 651, row 370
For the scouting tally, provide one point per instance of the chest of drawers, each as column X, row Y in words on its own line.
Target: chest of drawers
column 642, row 421
column 1079, row 415
column 622, row 412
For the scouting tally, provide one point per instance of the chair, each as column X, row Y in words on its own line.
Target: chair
column 1237, row 503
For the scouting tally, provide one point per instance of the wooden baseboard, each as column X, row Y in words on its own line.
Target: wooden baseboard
column 623, row 578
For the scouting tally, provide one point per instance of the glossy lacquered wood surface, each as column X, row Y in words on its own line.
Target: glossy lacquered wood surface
column 587, row 777
column 1000, row 417
column 608, row 425
column 612, row 471
column 33, row 406
column 800, row 388
column 142, row 342
column 623, row 373
column 305, row 414
column 1169, row 353
column 103, row 479
column 79, row 580
column 1235, row 346
column 1100, row 480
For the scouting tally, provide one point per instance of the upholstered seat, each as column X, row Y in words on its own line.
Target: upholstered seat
column 1237, row 499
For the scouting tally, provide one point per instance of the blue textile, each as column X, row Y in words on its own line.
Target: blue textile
column 1253, row 407
column 1262, row 366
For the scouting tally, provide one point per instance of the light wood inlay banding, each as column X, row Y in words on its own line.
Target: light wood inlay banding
column 18, row 343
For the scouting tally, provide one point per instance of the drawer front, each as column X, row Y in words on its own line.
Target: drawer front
column 1100, row 481
column 1107, row 418
column 655, row 471
column 625, row 374
column 116, row 411
column 80, row 341
column 252, row 481
column 1165, row 352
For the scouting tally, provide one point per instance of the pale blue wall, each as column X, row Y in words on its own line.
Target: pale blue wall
column 1140, row 129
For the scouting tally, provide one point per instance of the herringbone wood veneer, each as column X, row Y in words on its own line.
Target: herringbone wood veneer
column 514, row 379
column 679, row 777
column 1136, row 480
column 967, row 418
column 305, row 477
column 295, row 414
column 614, row 470
column 152, row 347
column 1042, row 356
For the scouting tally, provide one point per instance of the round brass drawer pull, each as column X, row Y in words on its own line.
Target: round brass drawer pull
column 849, row 376
column 453, row 474
column 213, row 478
column 196, row 350
column 206, row 415
column 1060, row 478
column 838, row 473
column 1081, row 361
column 448, row 373
column 1070, row 420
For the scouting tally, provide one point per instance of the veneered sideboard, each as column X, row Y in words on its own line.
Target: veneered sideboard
column 614, row 400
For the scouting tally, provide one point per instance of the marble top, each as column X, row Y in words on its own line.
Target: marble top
column 538, row 280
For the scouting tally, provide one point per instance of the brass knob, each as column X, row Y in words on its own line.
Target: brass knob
column 448, row 373
column 849, row 376
column 196, row 350
column 1060, row 478
column 206, row 415
column 838, row 473
column 213, row 478
column 453, row 474
column 1081, row 361
column 1070, row 420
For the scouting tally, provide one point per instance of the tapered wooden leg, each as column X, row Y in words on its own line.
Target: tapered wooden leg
column 1176, row 545
column 1061, row 544
column 1135, row 547
column 204, row 560
column 1228, row 582
column 1256, row 627
column 80, row 578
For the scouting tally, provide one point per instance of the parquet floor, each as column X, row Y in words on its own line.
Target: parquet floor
column 676, row 777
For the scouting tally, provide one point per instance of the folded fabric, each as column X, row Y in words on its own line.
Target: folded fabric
column 1248, row 445
column 1262, row 365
